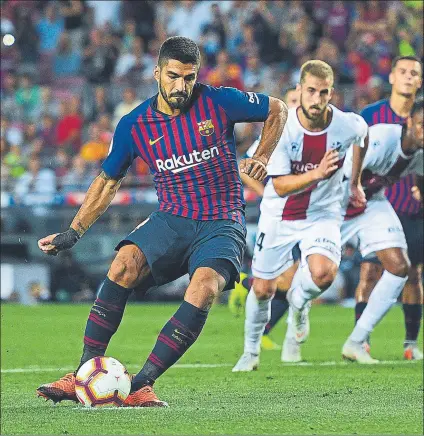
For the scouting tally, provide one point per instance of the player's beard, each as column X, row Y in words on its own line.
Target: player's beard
column 181, row 103
column 317, row 119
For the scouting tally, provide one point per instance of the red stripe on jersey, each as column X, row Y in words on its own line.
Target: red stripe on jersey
column 198, row 173
column 389, row 116
column 169, row 195
column 137, row 141
column 314, row 148
column 382, row 114
column 375, row 118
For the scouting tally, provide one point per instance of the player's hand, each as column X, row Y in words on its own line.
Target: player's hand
column 328, row 165
column 53, row 244
column 416, row 193
column 254, row 168
column 357, row 196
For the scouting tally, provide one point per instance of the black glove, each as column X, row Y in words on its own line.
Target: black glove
column 66, row 240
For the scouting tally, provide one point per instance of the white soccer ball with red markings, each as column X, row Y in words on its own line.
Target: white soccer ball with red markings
column 102, row 382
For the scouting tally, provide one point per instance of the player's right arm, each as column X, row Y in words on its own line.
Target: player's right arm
column 99, row 195
column 294, row 183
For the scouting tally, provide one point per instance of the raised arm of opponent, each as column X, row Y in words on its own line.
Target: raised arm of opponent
column 97, row 199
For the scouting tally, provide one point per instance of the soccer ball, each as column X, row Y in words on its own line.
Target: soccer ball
column 102, row 382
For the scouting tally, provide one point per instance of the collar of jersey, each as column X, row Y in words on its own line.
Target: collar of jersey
column 309, row 132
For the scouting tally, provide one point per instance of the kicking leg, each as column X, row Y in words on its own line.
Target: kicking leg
column 128, row 269
column 179, row 333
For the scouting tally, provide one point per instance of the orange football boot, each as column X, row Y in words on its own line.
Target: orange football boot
column 144, row 397
column 63, row 389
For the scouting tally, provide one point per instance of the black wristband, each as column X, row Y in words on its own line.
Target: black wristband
column 66, row 240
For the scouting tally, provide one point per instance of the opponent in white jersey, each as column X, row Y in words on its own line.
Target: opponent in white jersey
column 394, row 151
column 302, row 205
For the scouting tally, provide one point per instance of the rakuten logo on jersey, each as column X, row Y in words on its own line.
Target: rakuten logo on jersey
column 301, row 167
column 177, row 164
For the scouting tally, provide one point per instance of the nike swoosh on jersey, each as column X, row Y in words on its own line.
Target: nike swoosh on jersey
column 156, row 140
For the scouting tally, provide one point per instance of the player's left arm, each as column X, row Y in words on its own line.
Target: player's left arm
column 255, row 167
column 357, row 195
column 248, row 107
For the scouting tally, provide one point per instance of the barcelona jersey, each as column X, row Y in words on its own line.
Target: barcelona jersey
column 192, row 156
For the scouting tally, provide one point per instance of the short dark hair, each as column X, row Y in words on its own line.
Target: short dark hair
column 418, row 105
column 405, row 58
column 181, row 49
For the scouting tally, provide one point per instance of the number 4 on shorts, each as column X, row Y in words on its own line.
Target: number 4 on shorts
column 260, row 240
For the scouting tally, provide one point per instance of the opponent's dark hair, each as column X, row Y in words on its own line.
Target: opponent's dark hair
column 418, row 105
column 181, row 49
column 405, row 58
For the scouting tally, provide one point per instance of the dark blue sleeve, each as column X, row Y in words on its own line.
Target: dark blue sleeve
column 243, row 106
column 121, row 151
column 367, row 114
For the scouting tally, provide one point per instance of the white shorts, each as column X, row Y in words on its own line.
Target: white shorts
column 275, row 240
column 376, row 229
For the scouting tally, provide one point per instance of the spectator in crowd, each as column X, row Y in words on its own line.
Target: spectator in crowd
column 256, row 74
column 225, row 73
column 132, row 61
column 36, row 180
column 69, row 126
column 48, row 131
column 79, row 176
column 129, row 35
column 27, row 97
column 143, row 12
column 67, row 60
column 213, row 37
column 9, row 104
column 48, row 104
column 49, row 29
column 96, row 148
column 99, row 57
column 97, row 103
column 128, row 103
column 106, row 13
column 26, row 35
column 73, row 12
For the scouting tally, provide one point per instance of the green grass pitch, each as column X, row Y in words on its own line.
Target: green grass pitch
column 39, row 344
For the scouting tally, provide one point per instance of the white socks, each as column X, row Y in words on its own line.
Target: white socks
column 304, row 288
column 258, row 313
column 383, row 297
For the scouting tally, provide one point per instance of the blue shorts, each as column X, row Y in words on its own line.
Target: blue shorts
column 174, row 245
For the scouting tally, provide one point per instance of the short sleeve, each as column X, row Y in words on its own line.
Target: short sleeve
column 280, row 163
column 121, row 151
column 243, row 106
column 367, row 114
column 361, row 129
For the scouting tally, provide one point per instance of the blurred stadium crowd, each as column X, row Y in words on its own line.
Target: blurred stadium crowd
column 77, row 66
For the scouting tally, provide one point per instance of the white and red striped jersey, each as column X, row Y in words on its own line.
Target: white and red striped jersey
column 300, row 150
column 384, row 163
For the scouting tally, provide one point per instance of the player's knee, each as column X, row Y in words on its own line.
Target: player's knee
column 209, row 289
column 323, row 275
column 399, row 266
column 124, row 270
column 263, row 289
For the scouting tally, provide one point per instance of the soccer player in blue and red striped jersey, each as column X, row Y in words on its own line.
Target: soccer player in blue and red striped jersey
column 185, row 134
column 406, row 80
